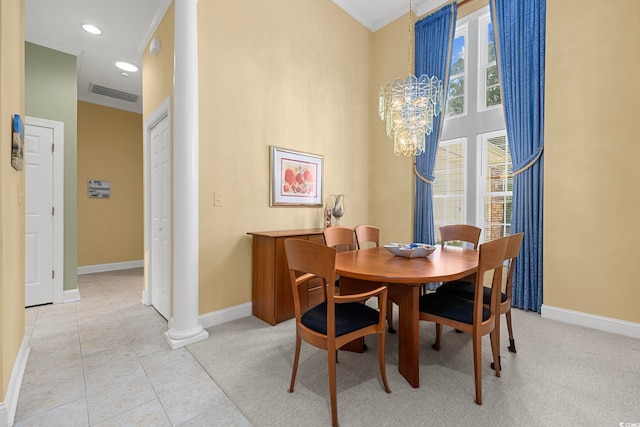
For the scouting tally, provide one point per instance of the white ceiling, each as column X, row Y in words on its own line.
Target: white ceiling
column 127, row 27
column 375, row 14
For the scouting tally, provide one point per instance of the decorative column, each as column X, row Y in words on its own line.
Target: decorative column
column 185, row 327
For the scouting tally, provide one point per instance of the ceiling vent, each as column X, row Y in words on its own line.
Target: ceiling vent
column 113, row 93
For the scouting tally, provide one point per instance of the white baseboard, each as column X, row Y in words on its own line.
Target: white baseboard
column 99, row 268
column 601, row 323
column 225, row 315
column 71, row 295
column 8, row 407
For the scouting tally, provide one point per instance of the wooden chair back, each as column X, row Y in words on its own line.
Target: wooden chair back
column 510, row 255
column 460, row 232
column 306, row 262
column 491, row 258
column 367, row 234
column 340, row 238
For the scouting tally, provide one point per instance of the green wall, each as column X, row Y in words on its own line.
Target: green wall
column 51, row 93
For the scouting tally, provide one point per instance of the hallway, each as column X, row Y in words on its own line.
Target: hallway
column 104, row 361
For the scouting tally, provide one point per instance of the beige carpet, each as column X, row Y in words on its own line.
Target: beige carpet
column 562, row 375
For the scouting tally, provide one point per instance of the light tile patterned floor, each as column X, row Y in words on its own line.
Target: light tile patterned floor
column 104, row 361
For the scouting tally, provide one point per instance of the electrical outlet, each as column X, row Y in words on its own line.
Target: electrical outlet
column 217, row 199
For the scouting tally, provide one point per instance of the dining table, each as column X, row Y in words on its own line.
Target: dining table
column 368, row 268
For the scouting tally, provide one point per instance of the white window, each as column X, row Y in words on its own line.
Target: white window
column 473, row 163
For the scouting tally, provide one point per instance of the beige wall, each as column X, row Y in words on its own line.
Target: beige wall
column 11, row 190
column 157, row 71
column 269, row 75
column 109, row 149
column 392, row 188
column 591, row 153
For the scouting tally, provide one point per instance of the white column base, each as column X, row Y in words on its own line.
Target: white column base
column 177, row 339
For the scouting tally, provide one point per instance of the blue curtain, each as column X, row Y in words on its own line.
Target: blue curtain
column 519, row 28
column 434, row 35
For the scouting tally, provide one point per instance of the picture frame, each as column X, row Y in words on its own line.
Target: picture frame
column 97, row 189
column 17, row 143
column 295, row 178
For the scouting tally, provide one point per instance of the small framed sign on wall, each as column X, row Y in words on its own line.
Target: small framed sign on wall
column 99, row 189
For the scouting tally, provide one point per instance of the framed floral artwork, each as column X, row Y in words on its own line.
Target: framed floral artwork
column 296, row 178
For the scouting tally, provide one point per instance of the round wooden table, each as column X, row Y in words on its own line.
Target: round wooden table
column 366, row 269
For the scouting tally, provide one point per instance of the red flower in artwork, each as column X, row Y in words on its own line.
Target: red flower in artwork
column 308, row 176
column 289, row 176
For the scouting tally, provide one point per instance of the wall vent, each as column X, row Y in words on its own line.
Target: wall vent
column 113, row 93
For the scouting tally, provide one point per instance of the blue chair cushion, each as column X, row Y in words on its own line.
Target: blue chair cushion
column 350, row 317
column 450, row 306
column 467, row 290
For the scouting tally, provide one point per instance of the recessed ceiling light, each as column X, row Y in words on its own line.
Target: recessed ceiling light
column 126, row 66
column 92, row 29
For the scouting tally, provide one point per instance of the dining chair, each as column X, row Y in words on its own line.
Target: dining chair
column 467, row 290
column 460, row 232
column 471, row 316
column 338, row 319
column 340, row 238
column 366, row 234
column 456, row 233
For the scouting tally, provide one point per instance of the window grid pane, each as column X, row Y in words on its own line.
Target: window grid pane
column 498, row 188
column 448, row 189
column 456, row 87
column 493, row 96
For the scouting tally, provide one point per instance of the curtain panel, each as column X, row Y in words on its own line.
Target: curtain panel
column 434, row 36
column 519, row 28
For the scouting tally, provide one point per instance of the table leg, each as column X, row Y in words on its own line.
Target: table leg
column 407, row 298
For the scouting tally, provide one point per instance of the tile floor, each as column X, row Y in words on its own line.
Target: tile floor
column 104, row 361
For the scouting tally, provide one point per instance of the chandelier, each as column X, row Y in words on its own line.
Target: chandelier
column 409, row 107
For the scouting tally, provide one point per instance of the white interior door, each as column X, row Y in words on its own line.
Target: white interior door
column 160, row 259
column 39, row 267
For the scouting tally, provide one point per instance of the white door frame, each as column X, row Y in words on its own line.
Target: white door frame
column 58, row 202
column 164, row 110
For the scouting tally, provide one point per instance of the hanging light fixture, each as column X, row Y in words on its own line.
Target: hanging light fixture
column 409, row 107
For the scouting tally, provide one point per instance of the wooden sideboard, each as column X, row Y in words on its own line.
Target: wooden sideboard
column 271, row 294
